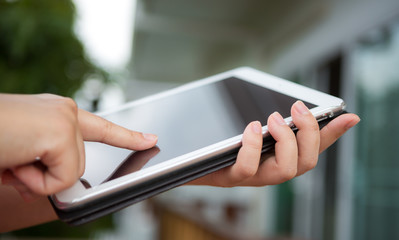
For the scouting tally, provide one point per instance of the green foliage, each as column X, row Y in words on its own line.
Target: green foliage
column 39, row 51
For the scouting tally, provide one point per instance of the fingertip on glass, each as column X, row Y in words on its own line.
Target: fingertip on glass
column 150, row 137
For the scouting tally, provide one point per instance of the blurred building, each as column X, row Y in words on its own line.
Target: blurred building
column 347, row 48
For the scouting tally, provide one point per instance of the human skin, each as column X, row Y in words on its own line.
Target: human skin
column 42, row 151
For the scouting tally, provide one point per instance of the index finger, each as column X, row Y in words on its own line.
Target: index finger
column 97, row 129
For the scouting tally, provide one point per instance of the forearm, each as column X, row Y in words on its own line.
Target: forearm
column 15, row 213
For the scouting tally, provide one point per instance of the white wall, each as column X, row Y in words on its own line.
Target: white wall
column 343, row 23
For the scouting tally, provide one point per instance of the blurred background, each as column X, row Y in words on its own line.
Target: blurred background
column 104, row 53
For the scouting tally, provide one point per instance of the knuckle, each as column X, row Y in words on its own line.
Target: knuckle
column 65, row 104
column 68, row 183
column 64, row 110
column 49, row 96
column 314, row 127
column 246, row 172
column 310, row 164
column 253, row 144
column 70, row 103
column 288, row 174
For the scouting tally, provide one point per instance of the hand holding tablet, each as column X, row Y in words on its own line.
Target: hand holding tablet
column 200, row 129
column 293, row 155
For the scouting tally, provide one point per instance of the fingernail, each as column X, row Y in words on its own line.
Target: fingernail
column 278, row 118
column 301, row 107
column 150, row 137
column 257, row 127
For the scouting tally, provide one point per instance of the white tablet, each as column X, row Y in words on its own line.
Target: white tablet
column 199, row 127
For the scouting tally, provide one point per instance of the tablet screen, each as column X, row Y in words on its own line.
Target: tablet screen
column 184, row 122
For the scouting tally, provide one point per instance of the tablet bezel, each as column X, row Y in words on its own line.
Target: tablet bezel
column 327, row 106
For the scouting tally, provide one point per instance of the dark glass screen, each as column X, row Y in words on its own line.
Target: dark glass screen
column 185, row 122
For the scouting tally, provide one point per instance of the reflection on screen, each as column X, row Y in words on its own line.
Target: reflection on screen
column 184, row 122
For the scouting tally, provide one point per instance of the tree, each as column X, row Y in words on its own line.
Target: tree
column 39, row 51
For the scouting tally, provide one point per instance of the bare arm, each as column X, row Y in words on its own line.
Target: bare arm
column 16, row 213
